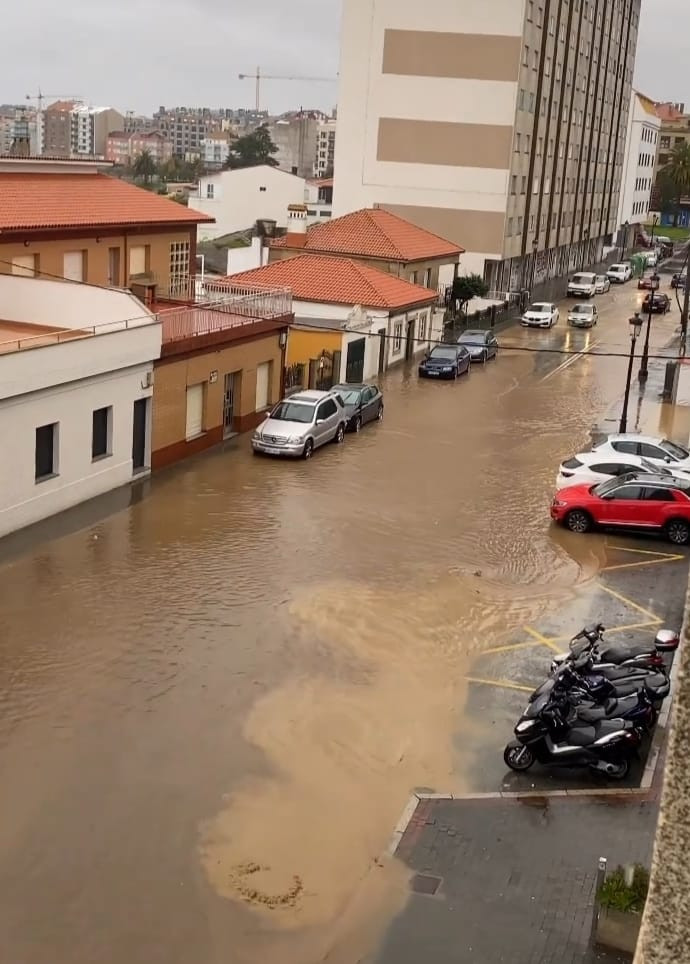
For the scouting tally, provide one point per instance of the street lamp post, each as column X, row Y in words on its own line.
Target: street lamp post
column 654, row 283
column 624, row 243
column 635, row 331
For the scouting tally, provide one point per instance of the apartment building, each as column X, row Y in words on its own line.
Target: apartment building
column 674, row 131
column 70, row 129
column 325, row 149
column 186, row 128
column 57, row 133
column 296, row 136
column 498, row 124
column 124, row 147
column 638, row 170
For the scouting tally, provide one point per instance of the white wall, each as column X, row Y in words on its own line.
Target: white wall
column 242, row 197
column 65, row 305
column 22, row 499
column 246, row 259
column 638, row 166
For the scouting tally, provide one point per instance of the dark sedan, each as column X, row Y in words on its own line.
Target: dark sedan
column 481, row 345
column 445, row 361
column 678, row 280
column 363, row 403
column 645, row 283
column 660, row 303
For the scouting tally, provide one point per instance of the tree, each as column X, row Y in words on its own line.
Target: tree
column 468, row 286
column 253, row 149
column 145, row 167
column 677, row 174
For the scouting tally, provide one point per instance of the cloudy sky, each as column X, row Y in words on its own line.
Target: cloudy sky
column 138, row 54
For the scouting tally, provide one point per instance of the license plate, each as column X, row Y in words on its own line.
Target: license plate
column 433, row 374
column 271, row 450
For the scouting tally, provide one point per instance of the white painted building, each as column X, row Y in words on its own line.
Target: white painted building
column 318, row 197
column 216, row 149
column 76, row 379
column 325, row 148
column 239, row 198
column 638, row 168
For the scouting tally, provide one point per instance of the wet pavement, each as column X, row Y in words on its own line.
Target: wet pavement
column 216, row 698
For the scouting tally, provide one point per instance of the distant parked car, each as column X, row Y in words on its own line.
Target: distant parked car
column 363, row 403
column 679, row 280
column 595, row 467
column 582, row 285
column 481, row 345
column 645, row 283
column 542, row 314
column 660, row 303
column 301, row 423
column 659, row 451
column 583, row 316
column 602, row 284
column 651, row 259
column 445, row 361
column 619, row 273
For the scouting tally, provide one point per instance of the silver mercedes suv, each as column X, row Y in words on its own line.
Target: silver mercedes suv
column 299, row 424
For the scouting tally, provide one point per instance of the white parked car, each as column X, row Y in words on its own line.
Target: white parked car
column 652, row 259
column 602, row 284
column 619, row 273
column 542, row 314
column 586, row 467
column 583, row 315
column 658, row 451
column 583, row 285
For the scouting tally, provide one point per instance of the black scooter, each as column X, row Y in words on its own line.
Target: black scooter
column 606, row 747
column 646, row 655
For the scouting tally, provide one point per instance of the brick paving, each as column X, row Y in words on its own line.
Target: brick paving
column 517, row 878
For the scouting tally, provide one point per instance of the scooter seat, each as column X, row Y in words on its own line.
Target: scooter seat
column 617, row 653
column 581, row 736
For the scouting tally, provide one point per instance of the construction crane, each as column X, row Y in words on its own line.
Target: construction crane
column 39, row 97
column 258, row 77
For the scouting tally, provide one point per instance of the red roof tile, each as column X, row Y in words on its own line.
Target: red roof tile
column 31, row 201
column 375, row 233
column 342, row 281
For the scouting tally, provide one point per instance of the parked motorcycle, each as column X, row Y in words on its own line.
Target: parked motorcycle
column 607, row 746
column 649, row 655
column 582, row 676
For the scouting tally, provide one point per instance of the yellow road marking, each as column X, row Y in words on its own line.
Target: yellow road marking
column 645, row 552
column 648, row 626
column 645, row 562
column 633, row 605
column 507, row 649
column 569, row 361
column 501, row 684
column 541, row 639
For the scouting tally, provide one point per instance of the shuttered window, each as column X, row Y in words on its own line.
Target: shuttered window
column 24, row 265
column 137, row 259
column 195, row 411
column 263, row 384
column 73, row 265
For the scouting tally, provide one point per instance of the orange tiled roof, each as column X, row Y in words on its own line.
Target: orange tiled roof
column 375, row 233
column 32, row 201
column 342, row 281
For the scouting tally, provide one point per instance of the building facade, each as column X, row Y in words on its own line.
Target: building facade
column 510, row 143
column 296, row 137
column 124, row 147
column 76, row 368
column 237, row 199
column 221, row 368
column 325, row 148
column 641, row 147
column 216, row 149
column 186, row 129
column 72, row 129
column 101, row 230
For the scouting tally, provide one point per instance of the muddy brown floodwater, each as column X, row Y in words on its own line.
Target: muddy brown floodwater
column 215, row 703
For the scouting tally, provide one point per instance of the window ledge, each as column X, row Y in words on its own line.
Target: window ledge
column 99, row 458
column 46, row 478
column 193, row 438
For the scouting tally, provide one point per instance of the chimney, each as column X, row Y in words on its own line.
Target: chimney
column 296, row 235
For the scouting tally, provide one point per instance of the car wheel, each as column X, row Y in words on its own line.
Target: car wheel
column 308, row 449
column 577, row 520
column 678, row 532
column 339, row 436
column 379, row 414
column 358, row 424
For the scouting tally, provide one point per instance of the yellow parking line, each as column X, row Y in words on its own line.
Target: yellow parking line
column 507, row 649
column 542, row 639
column 643, row 562
column 648, row 626
column 501, row 684
column 645, row 552
column 633, row 605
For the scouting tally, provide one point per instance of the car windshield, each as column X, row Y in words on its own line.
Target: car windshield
column 293, row 412
column 350, row 396
column 472, row 338
column 601, row 277
column 449, row 353
column 540, row 307
column 654, row 469
column 583, row 309
column 676, row 452
column 584, row 279
column 617, row 267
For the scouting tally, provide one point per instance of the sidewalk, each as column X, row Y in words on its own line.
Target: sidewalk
column 511, row 880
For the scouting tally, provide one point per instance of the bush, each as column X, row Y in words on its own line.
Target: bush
column 615, row 894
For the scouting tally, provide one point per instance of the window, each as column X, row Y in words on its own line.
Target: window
column 627, row 493
column 209, row 191
column 101, row 432
column 648, row 451
column 195, row 411
column 326, row 409
column 413, row 277
column 397, row 336
column 421, row 328
column 46, row 451
column 74, row 266
column 657, row 495
column 263, row 385
column 138, row 259
column 179, row 267
column 513, row 184
column 25, row 265
column 427, row 278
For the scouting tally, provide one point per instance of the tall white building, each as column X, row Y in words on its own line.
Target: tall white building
column 499, row 124
column 641, row 146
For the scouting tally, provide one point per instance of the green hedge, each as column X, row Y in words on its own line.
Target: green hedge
column 615, row 894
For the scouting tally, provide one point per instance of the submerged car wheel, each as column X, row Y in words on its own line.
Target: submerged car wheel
column 340, row 434
column 308, row 449
column 518, row 757
column 379, row 414
column 678, row 532
column 578, row 521
column 358, row 424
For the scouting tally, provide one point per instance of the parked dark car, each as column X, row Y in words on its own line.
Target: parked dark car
column 481, row 345
column 445, row 361
column 661, row 303
column 363, row 403
column 679, row 280
column 645, row 282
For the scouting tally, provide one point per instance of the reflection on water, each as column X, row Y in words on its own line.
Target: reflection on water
column 215, row 702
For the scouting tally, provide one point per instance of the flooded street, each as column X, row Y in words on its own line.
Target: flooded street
column 215, row 702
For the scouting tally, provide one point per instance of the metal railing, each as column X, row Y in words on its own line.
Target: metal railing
column 256, row 300
column 59, row 336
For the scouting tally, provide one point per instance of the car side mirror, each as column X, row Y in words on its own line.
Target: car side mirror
column 320, row 421
column 668, row 459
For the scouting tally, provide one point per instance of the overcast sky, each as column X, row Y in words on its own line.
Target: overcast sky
column 138, row 54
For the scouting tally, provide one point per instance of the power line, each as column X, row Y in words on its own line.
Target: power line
column 526, row 349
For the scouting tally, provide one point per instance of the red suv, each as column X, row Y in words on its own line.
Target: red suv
column 652, row 503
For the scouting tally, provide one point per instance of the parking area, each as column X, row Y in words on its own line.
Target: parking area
column 640, row 588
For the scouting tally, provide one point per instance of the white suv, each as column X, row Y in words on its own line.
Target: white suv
column 620, row 273
column 583, row 285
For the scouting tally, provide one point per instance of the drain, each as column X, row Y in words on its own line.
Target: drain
column 426, row 884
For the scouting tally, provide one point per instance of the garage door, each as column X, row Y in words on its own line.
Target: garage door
column 137, row 259
column 73, row 265
column 263, row 381
column 195, row 411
